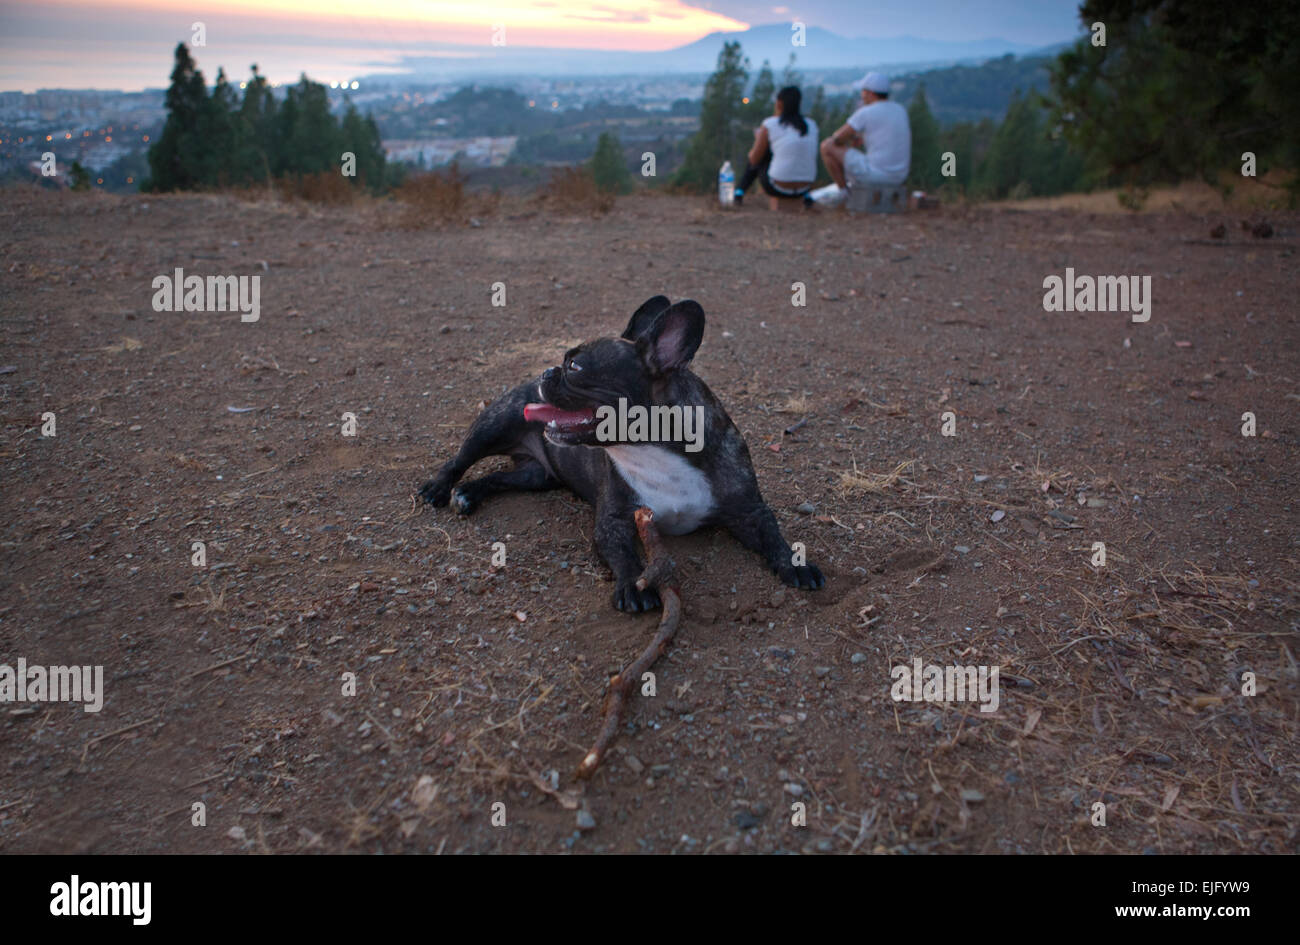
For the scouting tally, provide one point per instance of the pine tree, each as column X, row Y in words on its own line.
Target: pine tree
column 311, row 140
column 361, row 137
column 817, row 109
column 1025, row 155
column 1182, row 89
column 219, row 140
column 175, row 158
column 286, row 119
column 257, row 118
column 925, row 172
column 761, row 97
column 720, row 136
column 79, row 176
column 960, row 139
column 830, row 117
column 790, row 75
column 1010, row 160
column 218, row 133
column 608, row 168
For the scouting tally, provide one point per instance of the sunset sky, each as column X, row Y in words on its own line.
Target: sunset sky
column 127, row 45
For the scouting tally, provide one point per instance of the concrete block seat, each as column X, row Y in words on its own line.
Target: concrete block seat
column 877, row 198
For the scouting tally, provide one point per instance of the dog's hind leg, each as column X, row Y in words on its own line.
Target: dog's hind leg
column 528, row 475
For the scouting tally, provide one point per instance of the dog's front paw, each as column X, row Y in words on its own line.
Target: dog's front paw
column 629, row 600
column 807, row 576
column 461, row 503
column 436, row 492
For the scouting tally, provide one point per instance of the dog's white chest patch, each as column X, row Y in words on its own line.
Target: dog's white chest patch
column 677, row 492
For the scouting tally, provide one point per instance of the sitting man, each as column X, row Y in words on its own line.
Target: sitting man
column 882, row 128
column 784, row 155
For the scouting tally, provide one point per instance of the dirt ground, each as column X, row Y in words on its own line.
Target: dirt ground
column 477, row 685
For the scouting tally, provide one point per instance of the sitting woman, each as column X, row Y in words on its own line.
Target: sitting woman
column 784, row 155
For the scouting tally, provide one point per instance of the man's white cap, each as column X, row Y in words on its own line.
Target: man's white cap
column 876, row 82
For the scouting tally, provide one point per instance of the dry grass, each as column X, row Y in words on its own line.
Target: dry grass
column 327, row 187
column 324, row 187
column 1190, row 196
column 216, row 601
column 440, row 199
column 126, row 344
column 433, row 198
column 795, row 403
column 1143, row 647
column 573, row 188
column 189, row 462
column 874, row 483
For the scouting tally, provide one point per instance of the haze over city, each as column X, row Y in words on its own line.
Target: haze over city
column 99, row 44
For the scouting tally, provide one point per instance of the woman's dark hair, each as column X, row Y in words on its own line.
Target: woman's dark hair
column 790, row 98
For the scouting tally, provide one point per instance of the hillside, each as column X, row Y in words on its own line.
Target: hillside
column 480, row 684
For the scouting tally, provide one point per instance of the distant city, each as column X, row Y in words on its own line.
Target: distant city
column 429, row 123
column 104, row 129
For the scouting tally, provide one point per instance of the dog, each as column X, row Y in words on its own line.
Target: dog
column 559, row 431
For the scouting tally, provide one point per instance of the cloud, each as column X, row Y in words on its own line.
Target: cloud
column 604, row 14
column 127, row 44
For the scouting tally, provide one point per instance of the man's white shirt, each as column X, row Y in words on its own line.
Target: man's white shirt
column 888, row 136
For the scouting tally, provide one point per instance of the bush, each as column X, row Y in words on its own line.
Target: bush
column 328, row 187
column 80, row 177
column 575, row 188
column 608, row 169
column 438, row 197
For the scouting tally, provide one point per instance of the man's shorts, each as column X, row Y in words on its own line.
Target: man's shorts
column 859, row 174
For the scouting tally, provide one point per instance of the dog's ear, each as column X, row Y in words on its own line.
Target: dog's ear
column 672, row 340
column 645, row 316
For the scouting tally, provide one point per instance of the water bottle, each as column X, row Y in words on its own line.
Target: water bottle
column 726, row 185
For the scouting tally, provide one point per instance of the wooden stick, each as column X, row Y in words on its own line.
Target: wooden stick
column 119, row 731
column 658, row 574
column 208, row 669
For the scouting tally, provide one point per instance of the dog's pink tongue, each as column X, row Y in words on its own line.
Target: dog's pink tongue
column 545, row 413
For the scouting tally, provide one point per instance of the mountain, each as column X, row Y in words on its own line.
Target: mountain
column 827, row 50
column 822, row 50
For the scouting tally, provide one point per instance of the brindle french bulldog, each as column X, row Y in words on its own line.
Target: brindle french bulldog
column 559, row 430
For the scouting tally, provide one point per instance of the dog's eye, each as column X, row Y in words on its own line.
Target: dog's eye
column 574, row 365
